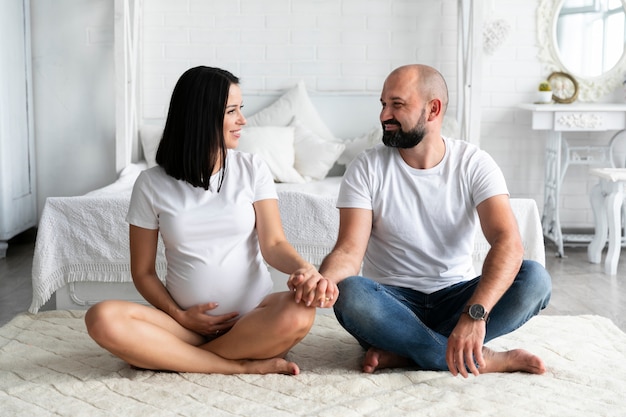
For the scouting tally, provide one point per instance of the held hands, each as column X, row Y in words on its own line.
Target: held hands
column 196, row 320
column 465, row 347
column 312, row 288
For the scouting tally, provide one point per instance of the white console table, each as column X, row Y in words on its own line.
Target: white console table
column 576, row 117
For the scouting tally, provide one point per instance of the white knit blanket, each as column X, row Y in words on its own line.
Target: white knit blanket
column 85, row 238
column 50, row 366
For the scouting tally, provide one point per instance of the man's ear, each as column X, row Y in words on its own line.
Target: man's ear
column 434, row 109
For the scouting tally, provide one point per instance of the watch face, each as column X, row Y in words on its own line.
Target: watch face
column 476, row 311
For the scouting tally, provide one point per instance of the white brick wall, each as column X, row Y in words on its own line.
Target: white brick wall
column 334, row 45
column 350, row 46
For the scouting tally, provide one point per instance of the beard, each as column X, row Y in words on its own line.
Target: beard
column 405, row 140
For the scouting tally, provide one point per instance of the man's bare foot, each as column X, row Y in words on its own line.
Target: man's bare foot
column 381, row 359
column 270, row 366
column 517, row 360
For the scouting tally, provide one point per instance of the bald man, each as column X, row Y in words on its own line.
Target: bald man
column 408, row 212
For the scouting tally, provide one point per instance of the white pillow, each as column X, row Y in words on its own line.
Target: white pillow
column 150, row 136
column 275, row 145
column 314, row 156
column 294, row 103
column 356, row 145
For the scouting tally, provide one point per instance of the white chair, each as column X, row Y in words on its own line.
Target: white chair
column 609, row 208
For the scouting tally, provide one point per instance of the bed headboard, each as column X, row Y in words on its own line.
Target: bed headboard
column 346, row 115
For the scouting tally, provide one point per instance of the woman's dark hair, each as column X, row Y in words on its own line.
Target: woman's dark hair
column 193, row 137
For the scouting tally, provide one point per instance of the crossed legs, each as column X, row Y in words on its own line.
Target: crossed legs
column 401, row 327
column 149, row 338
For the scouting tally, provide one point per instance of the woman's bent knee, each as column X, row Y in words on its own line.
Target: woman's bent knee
column 102, row 319
column 292, row 317
column 301, row 319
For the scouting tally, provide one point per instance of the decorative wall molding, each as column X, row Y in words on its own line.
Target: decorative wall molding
column 495, row 33
column 589, row 121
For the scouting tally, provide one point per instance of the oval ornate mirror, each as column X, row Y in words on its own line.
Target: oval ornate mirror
column 584, row 38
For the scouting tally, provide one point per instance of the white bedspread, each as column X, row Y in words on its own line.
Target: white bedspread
column 50, row 366
column 85, row 238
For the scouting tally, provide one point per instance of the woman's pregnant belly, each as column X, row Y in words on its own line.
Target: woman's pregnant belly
column 235, row 287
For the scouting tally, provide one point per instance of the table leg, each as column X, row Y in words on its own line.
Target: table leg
column 550, row 219
column 614, row 201
column 594, row 250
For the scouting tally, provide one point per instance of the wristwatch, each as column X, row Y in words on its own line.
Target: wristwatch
column 477, row 312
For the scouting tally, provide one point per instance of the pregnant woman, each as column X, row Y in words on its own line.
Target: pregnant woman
column 217, row 212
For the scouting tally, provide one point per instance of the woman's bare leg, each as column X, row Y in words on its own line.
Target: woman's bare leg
column 268, row 331
column 148, row 338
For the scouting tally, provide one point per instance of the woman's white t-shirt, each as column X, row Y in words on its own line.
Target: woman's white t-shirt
column 424, row 220
column 210, row 238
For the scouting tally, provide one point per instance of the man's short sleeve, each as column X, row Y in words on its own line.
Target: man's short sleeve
column 355, row 190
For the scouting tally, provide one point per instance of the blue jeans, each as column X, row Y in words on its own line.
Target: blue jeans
column 417, row 325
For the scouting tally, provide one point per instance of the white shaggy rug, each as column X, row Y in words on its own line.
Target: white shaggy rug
column 49, row 366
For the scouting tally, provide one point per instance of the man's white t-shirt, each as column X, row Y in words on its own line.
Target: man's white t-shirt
column 210, row 239
column 424, row 220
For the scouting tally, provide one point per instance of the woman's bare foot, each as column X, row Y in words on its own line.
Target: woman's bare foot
column 270, row 366
column 381, row 359
column 517, row 360
column 248, row 366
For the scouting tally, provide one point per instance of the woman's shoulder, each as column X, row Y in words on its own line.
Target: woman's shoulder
column 250, row 166
column 153, row 177
column 151, row 174
column 241, row 156
column 244, row 161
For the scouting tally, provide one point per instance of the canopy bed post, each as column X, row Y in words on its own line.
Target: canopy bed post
column 469, row 69
column 18, row 198
column 127, row 24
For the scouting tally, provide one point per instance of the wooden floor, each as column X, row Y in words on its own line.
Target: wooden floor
column 578, row 286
